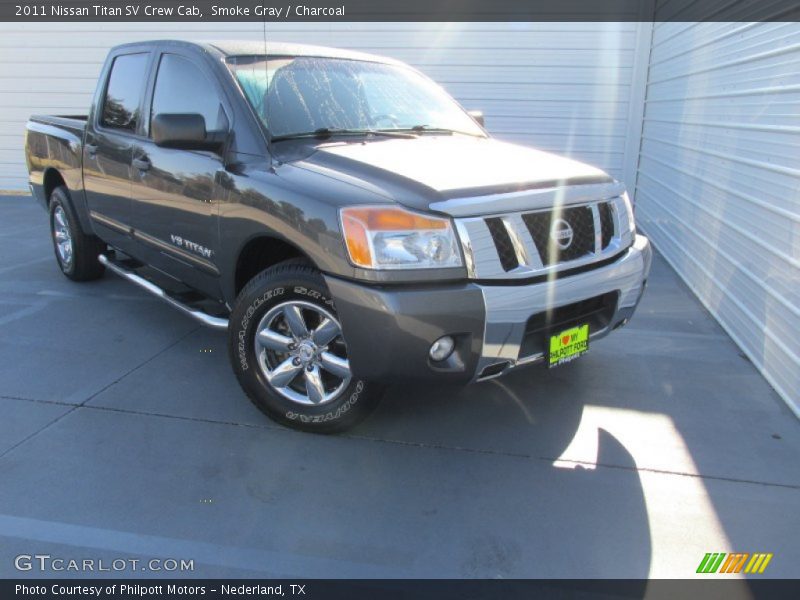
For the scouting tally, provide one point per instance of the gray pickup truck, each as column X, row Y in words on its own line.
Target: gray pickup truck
column 339, row 215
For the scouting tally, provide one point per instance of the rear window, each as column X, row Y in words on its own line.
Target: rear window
column 124, row 92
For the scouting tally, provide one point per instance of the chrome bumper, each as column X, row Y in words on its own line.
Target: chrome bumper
column 508, row 308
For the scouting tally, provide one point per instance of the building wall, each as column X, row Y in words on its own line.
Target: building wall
column 564, row 87
column 718, row 186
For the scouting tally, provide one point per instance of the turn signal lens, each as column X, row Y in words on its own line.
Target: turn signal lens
column 355, row 235
column 394, row 238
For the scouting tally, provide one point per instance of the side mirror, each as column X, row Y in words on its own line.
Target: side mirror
column 186, row 131
column 477, row 116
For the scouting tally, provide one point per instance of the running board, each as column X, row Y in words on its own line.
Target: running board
column 198, row 315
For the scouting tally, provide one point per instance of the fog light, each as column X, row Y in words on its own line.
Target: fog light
column 442, row 348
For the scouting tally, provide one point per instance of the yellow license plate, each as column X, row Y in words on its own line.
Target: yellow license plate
column 568, row 345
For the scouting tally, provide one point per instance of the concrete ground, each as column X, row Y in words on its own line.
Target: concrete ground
column 125, row 435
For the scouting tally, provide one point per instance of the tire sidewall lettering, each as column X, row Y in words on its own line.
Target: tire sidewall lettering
column 331, row 415
column 313, row 294
column 245, row 322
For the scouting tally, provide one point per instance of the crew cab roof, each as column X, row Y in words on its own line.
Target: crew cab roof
column 238, row 48
column 257, row 48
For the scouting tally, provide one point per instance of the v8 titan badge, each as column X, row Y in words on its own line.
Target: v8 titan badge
column 568, row 345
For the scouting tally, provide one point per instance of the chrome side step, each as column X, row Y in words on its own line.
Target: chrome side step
column 198, row 315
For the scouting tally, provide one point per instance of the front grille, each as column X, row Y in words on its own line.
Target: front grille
column 529, row 244
column 578, row 219
column 606, row 223
column 502, row 241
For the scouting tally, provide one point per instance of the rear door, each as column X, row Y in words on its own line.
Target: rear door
column 175, row 192
column 113, row 126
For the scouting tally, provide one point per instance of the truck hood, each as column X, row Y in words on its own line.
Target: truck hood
column 417, row 172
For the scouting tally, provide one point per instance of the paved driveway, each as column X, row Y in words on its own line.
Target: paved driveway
column 123, row 434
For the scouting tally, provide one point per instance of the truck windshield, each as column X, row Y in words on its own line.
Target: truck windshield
column 302, row 95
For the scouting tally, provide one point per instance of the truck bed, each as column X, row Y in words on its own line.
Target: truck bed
column 75, row 124
column 54, row 144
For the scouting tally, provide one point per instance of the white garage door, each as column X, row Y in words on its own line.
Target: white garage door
column 718, row 188
column 559, row 86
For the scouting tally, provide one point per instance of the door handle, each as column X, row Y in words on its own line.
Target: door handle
column 91, row 149
column 142, row 164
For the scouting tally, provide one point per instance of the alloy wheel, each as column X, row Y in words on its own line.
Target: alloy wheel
column 302, row 354
column 63, row 237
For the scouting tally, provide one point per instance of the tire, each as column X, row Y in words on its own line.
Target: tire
column 291, row 368
column 76, row 252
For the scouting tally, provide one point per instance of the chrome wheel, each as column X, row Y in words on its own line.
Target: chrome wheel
column 302, row 354
column 62, row 236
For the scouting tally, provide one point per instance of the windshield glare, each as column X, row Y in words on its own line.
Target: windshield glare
column 294, row 95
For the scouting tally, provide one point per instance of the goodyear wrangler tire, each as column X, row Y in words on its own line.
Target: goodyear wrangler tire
column 76, row 252
column 287, row 349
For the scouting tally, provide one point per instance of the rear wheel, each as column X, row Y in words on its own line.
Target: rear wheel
column 289, row 353
column 76, row 252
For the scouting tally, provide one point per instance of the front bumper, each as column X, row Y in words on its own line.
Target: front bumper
column 389, row 330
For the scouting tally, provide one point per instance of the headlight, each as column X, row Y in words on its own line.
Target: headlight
column 629, row 209
column 394, row 238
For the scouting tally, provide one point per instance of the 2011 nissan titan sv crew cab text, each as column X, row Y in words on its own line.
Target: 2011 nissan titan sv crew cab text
column 342, row 217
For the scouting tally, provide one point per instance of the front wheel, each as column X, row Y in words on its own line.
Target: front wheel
column 290, row 356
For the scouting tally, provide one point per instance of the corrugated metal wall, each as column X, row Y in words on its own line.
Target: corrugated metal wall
column 718, row 186
column 559, row 86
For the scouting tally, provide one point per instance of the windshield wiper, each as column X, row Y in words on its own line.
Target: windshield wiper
column 420, row 129
column 327, row 132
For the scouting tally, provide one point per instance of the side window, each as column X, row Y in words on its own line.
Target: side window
column 124, row 91
column 181, row 87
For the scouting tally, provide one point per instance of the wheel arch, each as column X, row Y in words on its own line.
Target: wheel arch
column 51, row 180
column 261, row 252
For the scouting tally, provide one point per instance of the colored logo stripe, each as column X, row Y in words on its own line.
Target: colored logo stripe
column 703, row 563
column 734, row 563
column 713, row 562
column 758, row 563
column 710, row 563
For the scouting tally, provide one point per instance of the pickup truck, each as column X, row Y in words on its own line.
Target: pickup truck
column 344, row 219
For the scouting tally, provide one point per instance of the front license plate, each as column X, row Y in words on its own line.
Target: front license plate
column 568, row 345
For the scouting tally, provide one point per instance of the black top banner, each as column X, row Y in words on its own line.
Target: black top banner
column 399, row 10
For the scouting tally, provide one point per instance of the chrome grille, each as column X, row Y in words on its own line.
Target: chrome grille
column 503, row 243
column 523, row 244
column 605, row 210
column 582, row 235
